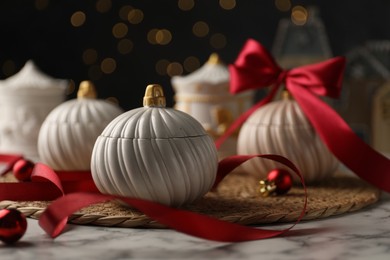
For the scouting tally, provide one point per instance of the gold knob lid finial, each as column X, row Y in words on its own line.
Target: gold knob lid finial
column 286, row 95
column 214, row 59
column 86, row 90
column 154, row 96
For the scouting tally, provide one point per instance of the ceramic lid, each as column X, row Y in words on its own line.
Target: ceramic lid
column 214, row 71
column 30, row 80
column 154, row 120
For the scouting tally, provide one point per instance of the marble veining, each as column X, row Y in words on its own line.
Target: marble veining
column 361, row 235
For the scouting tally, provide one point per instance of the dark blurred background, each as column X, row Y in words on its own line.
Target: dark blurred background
column 124, row 45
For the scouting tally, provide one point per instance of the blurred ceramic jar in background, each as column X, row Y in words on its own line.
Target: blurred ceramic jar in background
column 204, row 94
column 26, row 98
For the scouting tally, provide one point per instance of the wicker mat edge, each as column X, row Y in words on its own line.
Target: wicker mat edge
column 237, row 201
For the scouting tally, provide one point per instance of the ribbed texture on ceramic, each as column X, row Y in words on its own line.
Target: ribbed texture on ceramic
column 159, row 154
column 69, row 132
column 281, row 128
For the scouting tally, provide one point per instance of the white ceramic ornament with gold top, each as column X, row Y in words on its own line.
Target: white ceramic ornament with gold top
column 69, row 132
column 155, row 153
column 281, row 127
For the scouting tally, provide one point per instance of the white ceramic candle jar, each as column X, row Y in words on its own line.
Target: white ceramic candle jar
column 155, row 153
column 69, row 132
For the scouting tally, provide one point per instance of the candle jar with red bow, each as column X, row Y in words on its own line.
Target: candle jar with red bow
column 300, row 127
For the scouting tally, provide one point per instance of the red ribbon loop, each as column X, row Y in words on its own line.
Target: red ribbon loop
column 8, row 161
column 53, row 219
column 255, row 68
column 45, row 184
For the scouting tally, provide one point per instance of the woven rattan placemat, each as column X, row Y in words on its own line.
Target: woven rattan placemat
column 236, row 200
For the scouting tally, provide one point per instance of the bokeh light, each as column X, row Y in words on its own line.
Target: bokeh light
column 174, row 69
column 119, row 30
column 90, row 56
column 191, row 63
column 135, row 16
column 299, row 15
column 159, row 36
column 200, row 29
column 161, row 67
column 163, row 37
column 108, row 65
column 78, row 18
column 283, row 5
column 113, row 100
column 227, row 4
column 124, row 12
column 103, row 6
column 185, row 5
column 125, row 46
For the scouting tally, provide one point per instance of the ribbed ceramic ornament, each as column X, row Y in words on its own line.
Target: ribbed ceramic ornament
column 155, row 153
column 282, row 128
column 69, row 132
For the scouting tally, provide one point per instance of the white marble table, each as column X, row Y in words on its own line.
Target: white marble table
column 361, row 235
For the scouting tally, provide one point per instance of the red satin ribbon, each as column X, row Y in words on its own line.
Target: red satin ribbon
column 8, row 161
column 255, row 68
column 54, row 218
column 45, row 183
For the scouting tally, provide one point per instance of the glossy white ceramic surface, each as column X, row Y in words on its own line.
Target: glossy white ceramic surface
column 281, row 128
column 155, row 153
column 69, row 132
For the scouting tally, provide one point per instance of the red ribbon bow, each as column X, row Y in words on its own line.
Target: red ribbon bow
column 255, row 68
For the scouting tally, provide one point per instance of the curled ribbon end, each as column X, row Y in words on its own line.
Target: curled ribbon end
column 53, row 230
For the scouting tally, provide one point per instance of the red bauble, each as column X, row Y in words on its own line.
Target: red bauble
column 282, row 180
column 279, row 181
column 13, row 225
column 23, row 169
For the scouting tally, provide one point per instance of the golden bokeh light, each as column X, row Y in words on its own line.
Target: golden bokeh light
column 108, row 65
column 119, row 30
column 125, row 46
column 159, row 36
column 71, row 87
column 174, row 69
column 161, row 67
column 41, row 4
column 78, row 18
column 113, row 100
column 152, row 36
column 90, row 56
column 283, row 5
column 299, row 15
column 8, row 67
column 191, row 63
column 94, row 72
column 227, row 4
column 124, row 12
column 200, row 29
column 135, row 16
column 103, row 6
column 185, row 5
column 218, row 41
column 163, row 37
